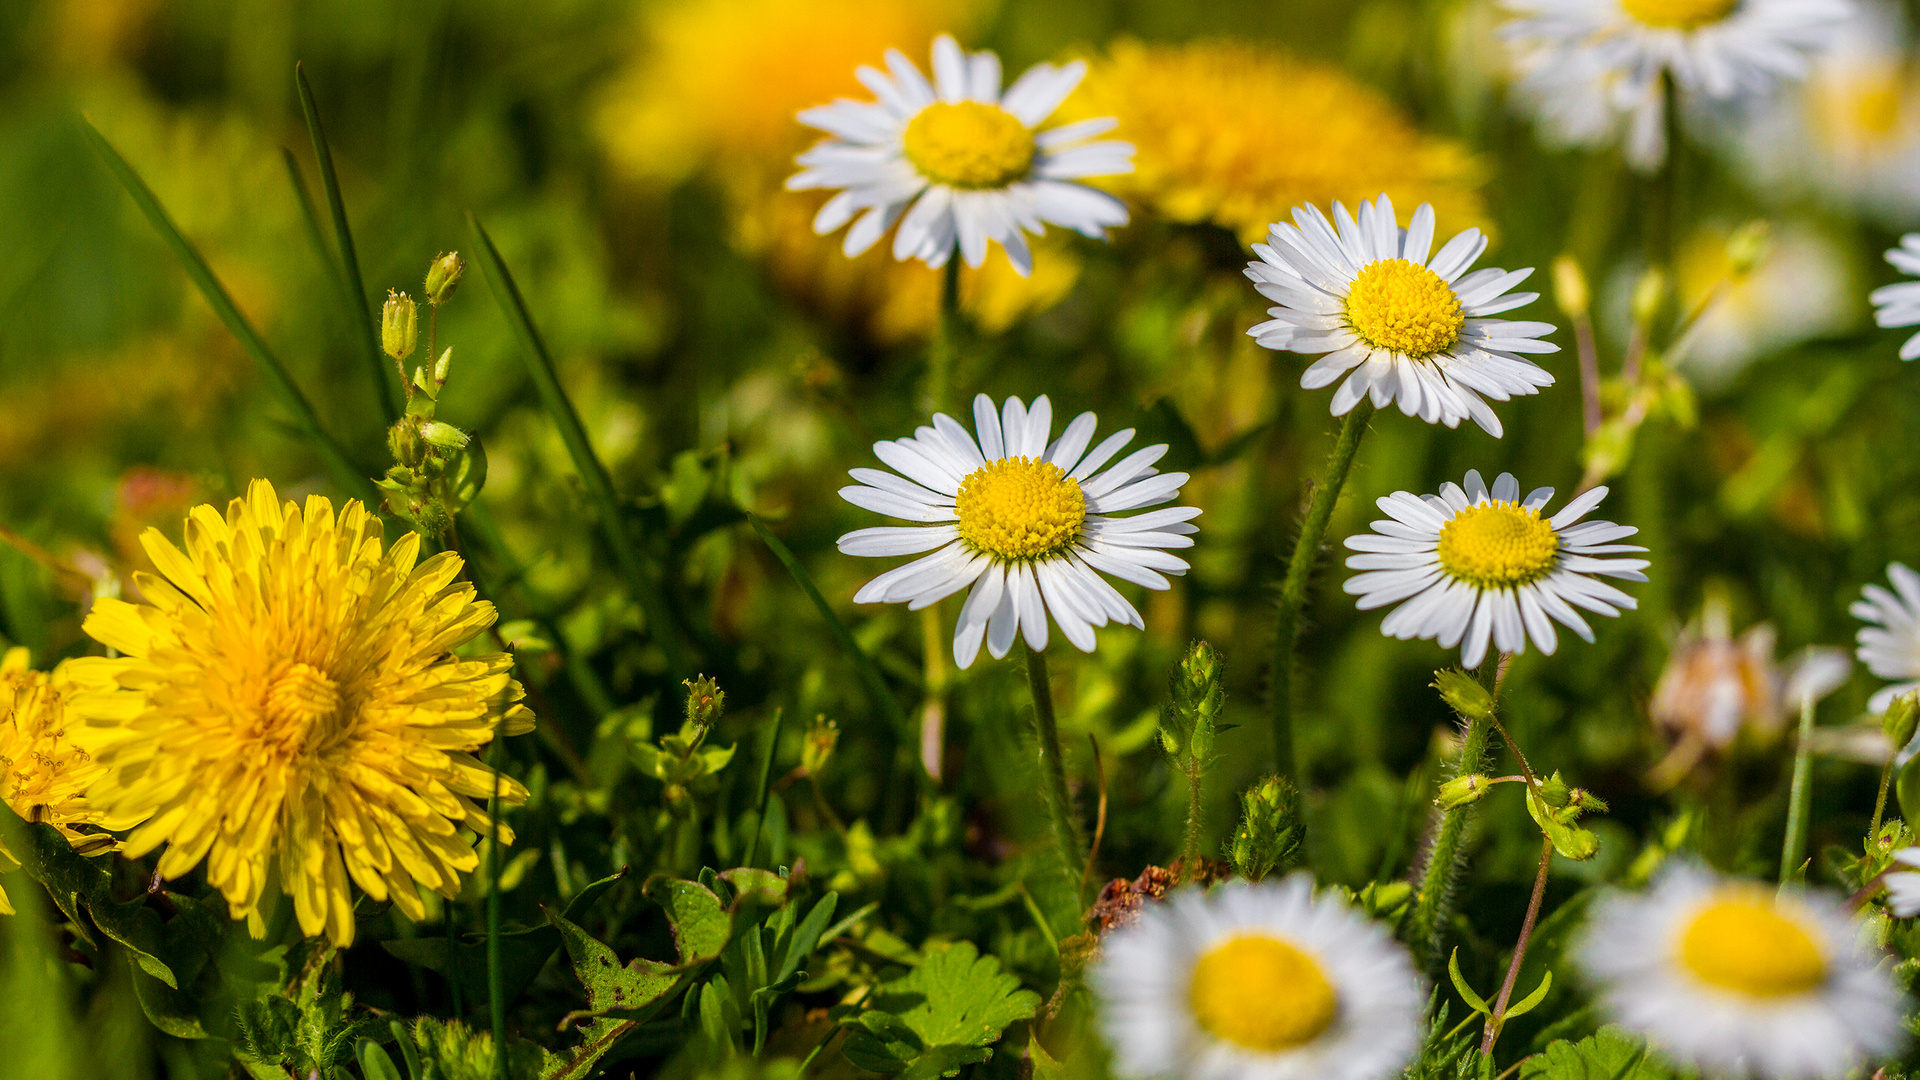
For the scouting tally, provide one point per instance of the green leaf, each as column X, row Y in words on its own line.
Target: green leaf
column 523, row 950
column 1528, row 1003
column 1608, row 1054
column 374, row 1062
column 1907, row 790
column 1474, row 1001
column 955, row 1004
column 1569, row 841
column 701, row 924
column 638, row 987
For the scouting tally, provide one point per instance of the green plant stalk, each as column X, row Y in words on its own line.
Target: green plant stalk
column 593, row 473
column 496, row 990
column 1793, row 849
column 345, row 473
column 1069, row 844
column 1190, row 848
column 1428, row 926
column 1880, row 801
column 1498, row 1018
column 390, row 397
column 766, row 780
column 1293, row 588
column 945, row 347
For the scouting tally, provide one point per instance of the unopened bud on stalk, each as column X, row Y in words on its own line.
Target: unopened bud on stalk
column 1901, row 719
column 1187, row 727
column 1462, row 791
column 1464, row 694
column 444, row 436
column 705, row 702
column 1749, row 246
column 443, row 276
column 399, row 325
column 823, row 735
column 1268, row 839
column 1648, row 296
column 441, row 366
column 1555, row 792
column 1570, row 286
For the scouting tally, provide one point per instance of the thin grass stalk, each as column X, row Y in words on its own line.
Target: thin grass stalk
column 766, row 783
column 870, row 676
column 1427, row 930
column 390, row 396
column 1067, row 840
column 496, row 989
column 1293, row 588
column 345, row 473
column 593, row 473
column 1880, row 800
column 1793, row 850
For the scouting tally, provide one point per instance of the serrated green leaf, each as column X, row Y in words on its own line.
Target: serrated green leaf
column 956, row 1003
column 1531, row 1001
column 1474, row 1001
column 640, row 986
column 882, row 1042
column 1608, row 1054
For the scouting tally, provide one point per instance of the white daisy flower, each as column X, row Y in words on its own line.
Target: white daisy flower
column 1257, row 982
column 1737, row 977
column 1891, row 646
column 1475, row 565
column 1595, row 70
column 1027, row 522
column 1899, row 304
column 957, row 161
column 1409, row 328
column 1903, row 888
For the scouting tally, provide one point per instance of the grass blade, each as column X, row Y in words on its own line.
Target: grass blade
column 766, row 778
column 883, row 698
column 305, row 419
column 390, row 395
column 593, row 473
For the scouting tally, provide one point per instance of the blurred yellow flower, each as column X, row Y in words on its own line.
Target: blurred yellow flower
column 43, row 775
column 1238, row 135
column 719, row 81
column 288, row 706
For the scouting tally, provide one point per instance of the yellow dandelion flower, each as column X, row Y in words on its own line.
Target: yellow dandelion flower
column 719, row 81
column 290, row 708
column 43, row 773
column 1237, row 135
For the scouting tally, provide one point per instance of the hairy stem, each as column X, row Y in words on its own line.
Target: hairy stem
column 1190, row 849
column 1072, row 849
column 1880, row 800
column 1428, row 926
column 1293, row 588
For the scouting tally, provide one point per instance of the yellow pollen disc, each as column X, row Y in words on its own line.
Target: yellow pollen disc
column 968, row 144
column 1019, row 509
column 1496, row 544
column 1404, row 308
column 1741, row 942
column 301, row 696
column 1262, row 994
column 1679, row 14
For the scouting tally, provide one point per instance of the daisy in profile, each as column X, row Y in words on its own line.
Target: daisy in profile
column 1257, row 982
column 1890, row 645
column 289, row 708
column 1738, row 977
column 1596, row 71
column 1397, row 320
column 956, row 161
column 1899, row 304
column 1475, row 565
column 1027, row 521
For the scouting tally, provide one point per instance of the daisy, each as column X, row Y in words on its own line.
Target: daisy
column 1899, row 304
column 1025, row 521
column 293, row 706
column 1736, row 976
column 955, row 161
column 1903, row 888
column 1597, row 70
column 1407, row 327
column 1891, row 646
column 1475, row 565
column 1257, row 982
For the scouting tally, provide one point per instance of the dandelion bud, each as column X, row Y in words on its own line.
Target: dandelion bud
column 823, row 735
column 1269, row 835
column 443, row 276
column 705, row 702
column 399, row 325
column 1901, row 719
column 1648, row 296
column 1570, row 286
column 1464, row 694
column 1462, row 791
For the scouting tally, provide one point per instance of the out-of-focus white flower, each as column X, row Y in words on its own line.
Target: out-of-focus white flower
column 1890, row 647
column 1802, row 288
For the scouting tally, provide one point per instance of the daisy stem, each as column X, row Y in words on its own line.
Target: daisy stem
column 1293, row 588
column 1499, row 1015
column 946, row 340
column 1880, row 801
column 1796, row 842
column 1053, row 770
column 496, row 991
column 1443, row 859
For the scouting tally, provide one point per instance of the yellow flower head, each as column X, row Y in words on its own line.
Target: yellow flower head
column 43, row 774
column 289, row 703
column 1237, row 135
column 719, row 81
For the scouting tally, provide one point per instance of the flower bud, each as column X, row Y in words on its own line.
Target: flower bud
column 705, row 702
column 823, row 735
column 1570, row 286
column 1268, row 839
column 1187, row 726
column 1464, row 694
column 1749, row 246
column 444, row 436
column 443, row 276
column 1462, row 791
column 1555, row 792
column 399, row 325
column 1648, row 296
column 1901, row 719
column 441, row 366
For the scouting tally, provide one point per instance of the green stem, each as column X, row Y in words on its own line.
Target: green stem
column 1293, row 588
column 945, row 347
column 1190, row 850
column 496, row 989
column 1795, row 846
column 1880, row 801
column 1431, row 904
column 1068, row 843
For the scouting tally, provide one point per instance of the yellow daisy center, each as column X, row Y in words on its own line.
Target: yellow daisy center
column 1741, row 942
column 1496, row 544
column 1404, row 307
column 1679, row 14
column 1018, row 509
column 1263, row 994
column 969, row 144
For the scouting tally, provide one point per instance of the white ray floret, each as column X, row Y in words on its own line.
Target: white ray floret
column 1028, row 522
column 1257, row 982
column 1397, row 320
column 1890, row 645
column 955, row 162
column 1474, row 566
column 1899, row 304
